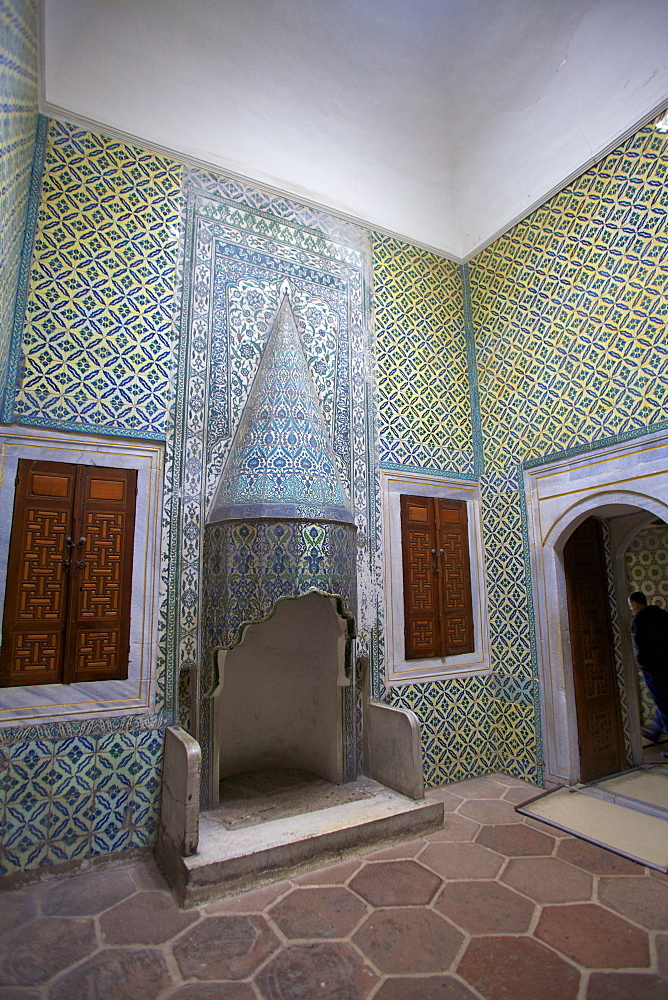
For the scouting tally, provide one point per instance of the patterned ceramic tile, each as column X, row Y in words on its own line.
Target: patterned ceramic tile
column 570, row 315
column 18, row 122
column 568, row 323
column 281, row 463
column 423, row 385
column 97, row 341
column 459, row 740
column 239, row 251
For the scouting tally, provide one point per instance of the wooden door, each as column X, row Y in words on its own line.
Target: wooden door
column 69, row 579
column 600, row 733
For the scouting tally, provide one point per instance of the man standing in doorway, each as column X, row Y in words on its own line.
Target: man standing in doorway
column 649, row 634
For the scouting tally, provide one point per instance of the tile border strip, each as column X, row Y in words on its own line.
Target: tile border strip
column 11, row 374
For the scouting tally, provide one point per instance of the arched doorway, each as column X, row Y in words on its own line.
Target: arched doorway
column 625, row 486
column 595, row 679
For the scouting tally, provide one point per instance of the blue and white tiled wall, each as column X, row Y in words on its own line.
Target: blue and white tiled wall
column 564, row 317
column 550, row 341
column 18, row 124
column 76, row 797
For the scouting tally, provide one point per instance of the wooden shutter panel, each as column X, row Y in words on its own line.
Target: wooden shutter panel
column 99, row 626
column 438, row 605
column 33, row 632
column 69, row 575
column 455, row 572
column 421, row 595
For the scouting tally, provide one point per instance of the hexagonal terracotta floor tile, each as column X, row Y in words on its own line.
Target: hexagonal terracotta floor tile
column 17, row 993
column 594, row 937
column 595, row 859
column 214, row 991
column 115, row 972
column 626, row 986
column 406, row 849
column 485, row 908
column 515, row 840
column 333, row 875
column 517, row 794
column 642, row 899
column 326, row 971
column 17, row 909
column 478, row 788
column 396, row 883
column 510, row 967
column 548, row 880
column 490, row 811
column 36, row 951
column 455, row 827
column 409, row 940
column 661, row 945
column 460, row 861
column 227, row 947
column 318, row 912
column 87, row 894
column 253, row 901
column 424, row 988
column 145, row 918
column 445, row 795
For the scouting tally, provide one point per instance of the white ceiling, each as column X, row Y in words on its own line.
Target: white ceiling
column 443, row 121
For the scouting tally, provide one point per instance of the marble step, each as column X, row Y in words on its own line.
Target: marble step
column 230, row 861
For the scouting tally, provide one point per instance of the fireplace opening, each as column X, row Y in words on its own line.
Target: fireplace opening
column 282, row 702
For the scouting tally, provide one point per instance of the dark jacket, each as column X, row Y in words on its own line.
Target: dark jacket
column 649, row 633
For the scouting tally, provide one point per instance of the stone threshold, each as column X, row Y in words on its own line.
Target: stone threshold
column 231, row 861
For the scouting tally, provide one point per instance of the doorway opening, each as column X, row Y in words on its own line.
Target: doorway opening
column 595, row 686
column 625, row 487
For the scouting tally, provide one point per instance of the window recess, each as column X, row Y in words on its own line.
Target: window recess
column 69, row 576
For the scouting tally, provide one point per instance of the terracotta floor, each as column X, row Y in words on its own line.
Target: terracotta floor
column 493, row 906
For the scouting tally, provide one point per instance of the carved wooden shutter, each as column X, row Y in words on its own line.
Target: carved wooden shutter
column 99, row 621
column 422, row 623
column 69, row 581
column 455, row 572
column 437, row 580
column 33, row 633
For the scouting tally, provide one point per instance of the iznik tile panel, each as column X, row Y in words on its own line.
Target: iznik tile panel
column 18, row 121
column 77, row 797
column 570, row 312
column 280, row 463
column 242, row 251
column 97, row 349
column 424, row 410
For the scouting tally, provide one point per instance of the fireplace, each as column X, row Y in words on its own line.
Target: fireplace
column 280, row 582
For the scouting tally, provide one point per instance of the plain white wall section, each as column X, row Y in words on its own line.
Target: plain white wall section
column 442, row 121
column 280, row 694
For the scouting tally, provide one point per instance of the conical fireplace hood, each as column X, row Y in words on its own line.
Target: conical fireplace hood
column 281, row 464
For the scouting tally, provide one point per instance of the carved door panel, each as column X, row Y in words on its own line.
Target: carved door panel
column 597, row 702
column 438, row 613
column 69, row 580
